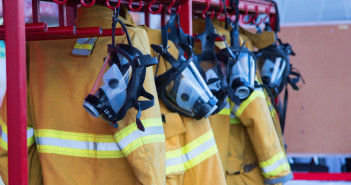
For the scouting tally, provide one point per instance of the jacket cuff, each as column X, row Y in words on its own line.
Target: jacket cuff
column 282, row 180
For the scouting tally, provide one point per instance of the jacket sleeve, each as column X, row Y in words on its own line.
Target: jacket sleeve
column 256, row 117
column 144, row 151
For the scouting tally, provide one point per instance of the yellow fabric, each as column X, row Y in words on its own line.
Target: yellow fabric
column 83, row 46
column 34, row 168
column 185, row 137
column 220, row 126
column 83, row 149
column 254, row 138
column 261, row 40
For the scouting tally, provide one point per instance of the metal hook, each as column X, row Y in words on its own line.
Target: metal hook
column 60, row 2
column 169, row 8
column 255, row 17
column 159, row 8
column 205, row 10
column 136, row 9
column 246, row 13
column 220, row 11
column 113, row 7
column 87, row 5
column 267, row 13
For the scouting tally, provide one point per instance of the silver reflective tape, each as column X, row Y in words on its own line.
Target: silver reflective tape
column 138, row 134
column 86, row 145
column 3, row 134
column 86, row 40
column 83, row 52
column 30, row 133
column 274, row 166
column 191, row 154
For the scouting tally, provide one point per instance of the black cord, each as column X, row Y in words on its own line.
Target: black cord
column 115, row 19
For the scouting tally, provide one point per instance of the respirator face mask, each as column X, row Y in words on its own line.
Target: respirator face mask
column 183, row 89
column 242, row 75
column 212, row 66
column 240, row 72
column 190, row 92
column 120, row 83
column 112, row 91
column 273, row 67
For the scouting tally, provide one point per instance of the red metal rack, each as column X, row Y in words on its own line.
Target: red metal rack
column 16, row 34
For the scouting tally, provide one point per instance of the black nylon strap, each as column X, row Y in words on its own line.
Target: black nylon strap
column 293, row 82
column 277, row 18
column 162, row 50
column 145, row 104
column 207, row 38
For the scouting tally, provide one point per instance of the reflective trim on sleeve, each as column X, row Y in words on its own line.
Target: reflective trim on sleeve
column 131, row 138
column 3, row 135
column 77, row 144
column 281, row 180
column 240, row 109
column 190, row 155
column 275, row 165
column 99, row 146
column 226, row 110
column 84, row 46
column 234, row 119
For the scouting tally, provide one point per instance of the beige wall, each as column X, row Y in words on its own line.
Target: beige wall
column 319, row 115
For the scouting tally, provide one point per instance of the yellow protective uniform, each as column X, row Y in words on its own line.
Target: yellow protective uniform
column 73, row 146
column 191, row 153
column 254, row 139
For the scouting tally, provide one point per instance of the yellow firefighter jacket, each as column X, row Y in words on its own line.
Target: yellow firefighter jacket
column 191, row 152
column 255, row 151
column 71, row 146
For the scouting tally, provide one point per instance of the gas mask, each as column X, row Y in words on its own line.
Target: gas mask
column 242, row 74
column 212, row 66
column 183, row 88
column 274, row 66
column 240, row 68
column 120, row 84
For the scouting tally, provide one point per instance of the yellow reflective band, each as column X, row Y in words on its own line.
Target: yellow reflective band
column 277, row 171
column 190, row 146
column 99, row 146
column 234, row 121
column 79, row 152
column 224, row 111
column 83, row 46
column 244, row 104
column 272, row 160
column 156, row 138
column 152, row 122
column 74, row 136
column 191, row 154
column 131, row 138
column 76, row 144
column 3, row 135
column 275, row 165
column 193, row 162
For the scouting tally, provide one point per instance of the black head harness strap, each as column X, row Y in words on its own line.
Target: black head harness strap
column 207, row 38
column 173, row 32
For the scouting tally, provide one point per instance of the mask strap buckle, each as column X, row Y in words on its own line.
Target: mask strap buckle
column 138, row 122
